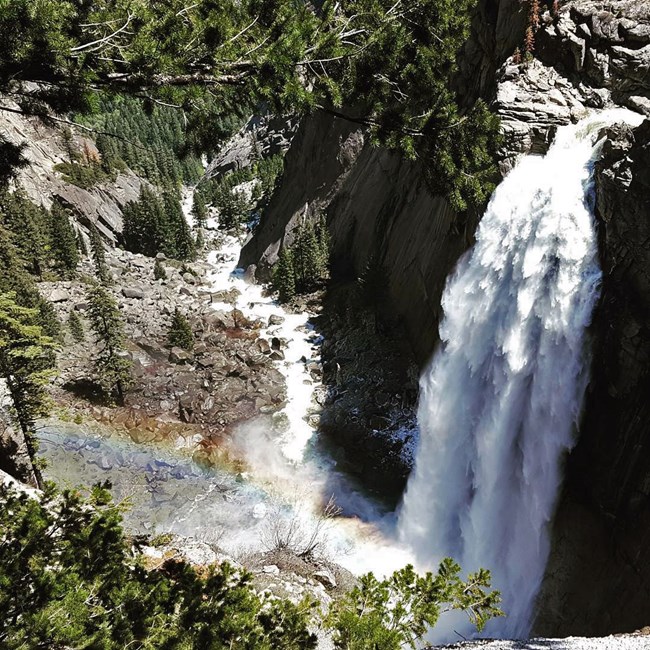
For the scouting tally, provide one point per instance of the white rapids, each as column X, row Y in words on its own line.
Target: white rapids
column 501, row 397
column 360, row 539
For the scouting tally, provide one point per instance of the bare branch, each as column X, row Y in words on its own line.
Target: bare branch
column 101, row 41
column 241, row 33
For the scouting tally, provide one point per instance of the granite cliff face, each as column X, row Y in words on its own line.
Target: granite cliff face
column 101, row 205
column 589, row 56
column 376, row 204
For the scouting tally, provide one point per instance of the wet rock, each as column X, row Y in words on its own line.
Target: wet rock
column 249, row 274
column 228, row 296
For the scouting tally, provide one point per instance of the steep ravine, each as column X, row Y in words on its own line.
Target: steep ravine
column 376, row 205
column 591, row 55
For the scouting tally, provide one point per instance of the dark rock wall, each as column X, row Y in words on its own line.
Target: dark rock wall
column 378, row 204
column 598, row 578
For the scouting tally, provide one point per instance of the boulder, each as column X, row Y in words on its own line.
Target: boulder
column 325, row 577
column 59, row 295
column 133, row 292
column 178, row 355
column 218, row 320
column 228, row 296
column 263, row 346
column 271, row 569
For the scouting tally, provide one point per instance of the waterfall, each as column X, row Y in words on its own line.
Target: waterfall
column 502, row 395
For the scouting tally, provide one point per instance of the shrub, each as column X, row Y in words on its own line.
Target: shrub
column 159, row 272
column 68, row 579
column 75, row 326
column 394, row 613
column 180, row 333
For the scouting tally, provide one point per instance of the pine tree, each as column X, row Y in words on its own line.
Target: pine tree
column 396, row 612
column 159, row 272
column 232, row 205
column 112, row 366
column 63, row 240
column 67, row 139
column 14, row 278
column 28, row 228
column 99, row 257
column 199, row 211
column 145, row 228
column 180, row 243
column 199, row 242
column 323, row 248
column 180, row 333
column 153, row 225
column 284, row 277
column 75, row 327
column 26, row 366
column 310, row 255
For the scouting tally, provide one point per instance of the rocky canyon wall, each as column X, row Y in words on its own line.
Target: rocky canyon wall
column 44, row 149
column 376, row 204
column 589, row 56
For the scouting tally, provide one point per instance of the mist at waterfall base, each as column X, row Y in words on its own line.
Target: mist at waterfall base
column 236, row 510
column 500, row 400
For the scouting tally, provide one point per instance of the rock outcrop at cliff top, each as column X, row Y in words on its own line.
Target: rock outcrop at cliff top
column 261, row 137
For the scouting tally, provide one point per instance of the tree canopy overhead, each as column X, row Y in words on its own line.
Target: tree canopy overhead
column 387, row 64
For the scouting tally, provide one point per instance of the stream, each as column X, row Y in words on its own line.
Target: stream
column 286, row 479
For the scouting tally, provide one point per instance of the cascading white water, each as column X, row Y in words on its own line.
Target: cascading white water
column 500, row 399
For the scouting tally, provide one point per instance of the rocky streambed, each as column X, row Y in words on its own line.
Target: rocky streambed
column 217, row 443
